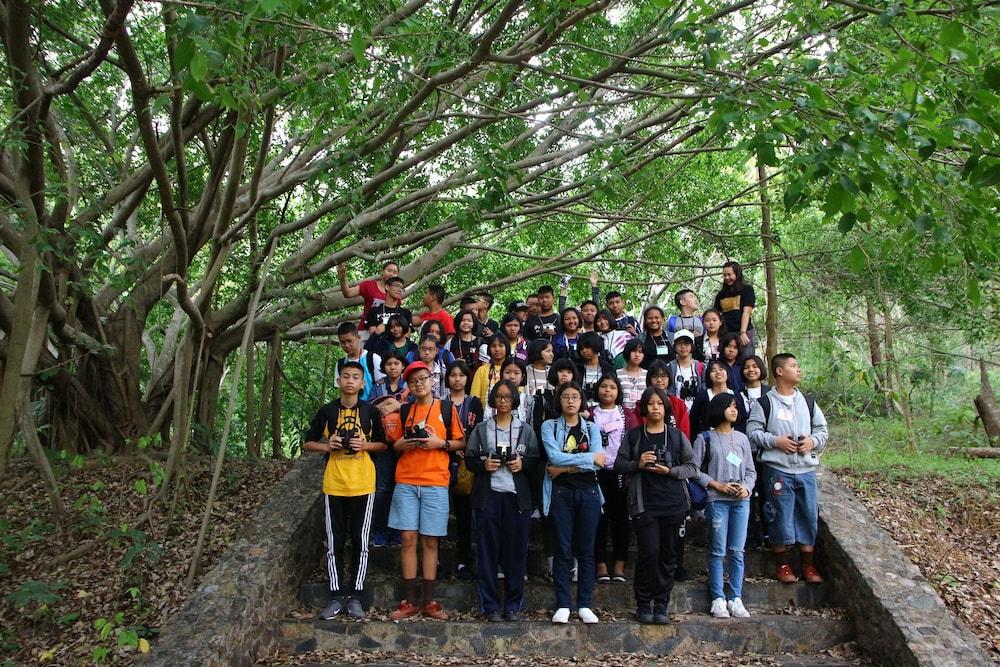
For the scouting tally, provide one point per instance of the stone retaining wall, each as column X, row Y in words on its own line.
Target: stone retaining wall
column 899, row 618
column 234, row 615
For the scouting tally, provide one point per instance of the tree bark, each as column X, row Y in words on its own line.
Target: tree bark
column 276, row 451
column 770, row 282
column 253, row 445
column 902, row 397
column 878, row 364
column 986, row 405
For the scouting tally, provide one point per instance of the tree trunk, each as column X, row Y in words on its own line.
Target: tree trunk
column 902, row 398
column 986, row 405
column 276, row 451
column 207, row 401
column 30, row 432
column 253, row 445
column 878, row 365
column 266, row 394
column 770, row 283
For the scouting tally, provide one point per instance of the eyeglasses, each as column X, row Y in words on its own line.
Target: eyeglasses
column 503, row 397
column 418, row 380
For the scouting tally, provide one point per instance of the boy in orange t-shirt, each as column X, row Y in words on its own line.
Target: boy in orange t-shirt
column 420, row 499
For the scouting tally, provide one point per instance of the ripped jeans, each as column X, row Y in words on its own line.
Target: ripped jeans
column 727, row 535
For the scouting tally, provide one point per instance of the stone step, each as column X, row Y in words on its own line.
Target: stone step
column 688, row 596
column 761, row 634
column 757, row 562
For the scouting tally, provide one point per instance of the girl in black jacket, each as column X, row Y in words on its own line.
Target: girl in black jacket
column 658, row 458
column 501, row 452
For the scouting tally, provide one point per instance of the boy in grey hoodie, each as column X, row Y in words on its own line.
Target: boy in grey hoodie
column 790, row 435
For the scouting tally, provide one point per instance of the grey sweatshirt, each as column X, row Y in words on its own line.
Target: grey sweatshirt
column 730, row 461
column 789, row 416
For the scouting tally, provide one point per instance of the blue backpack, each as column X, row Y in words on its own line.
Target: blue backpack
column 697, row 492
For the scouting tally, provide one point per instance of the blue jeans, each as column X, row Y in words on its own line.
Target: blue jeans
column 791, row 506
column 727, row 530
column 574, row 513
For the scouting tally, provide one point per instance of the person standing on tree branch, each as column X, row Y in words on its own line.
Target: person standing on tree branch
column 372, row 291
column 736, row 300
column 790, row 430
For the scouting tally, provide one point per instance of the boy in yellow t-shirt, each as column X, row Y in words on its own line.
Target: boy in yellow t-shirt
column 347, row 431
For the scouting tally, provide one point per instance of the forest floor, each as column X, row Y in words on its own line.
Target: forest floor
column 944, row 512
column 106, row 604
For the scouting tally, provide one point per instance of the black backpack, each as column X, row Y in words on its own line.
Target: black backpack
column 365, row 418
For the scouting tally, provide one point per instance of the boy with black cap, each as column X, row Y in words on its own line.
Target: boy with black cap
column 347, row 430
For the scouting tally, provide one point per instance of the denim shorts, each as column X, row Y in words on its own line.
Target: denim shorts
column 791, row 508
column 420, row 508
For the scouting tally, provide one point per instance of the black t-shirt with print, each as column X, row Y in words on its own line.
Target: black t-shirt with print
column 662, row 496
column 577, row 442
column 731, row 302
column 533, row 327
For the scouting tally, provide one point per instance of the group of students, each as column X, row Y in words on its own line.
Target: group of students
column 588, row 419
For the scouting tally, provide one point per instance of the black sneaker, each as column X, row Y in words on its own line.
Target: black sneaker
column 493, row 617
column 644, row 616
column 333, row 610
column 660, row 615
column 354, row 608
column 464, row 572
column 513, row 616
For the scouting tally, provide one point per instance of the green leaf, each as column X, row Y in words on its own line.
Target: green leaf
column 972, row 291
column 140, row 487
column 183, row 53
column 927, row 148
column 922, row 223
column 991, row 77
column 857, row 260
column 358, row 45
column 199, row 66
column 847, row 222
column 986, row 175
column 951, row 34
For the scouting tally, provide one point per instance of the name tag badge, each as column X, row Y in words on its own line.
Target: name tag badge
column 784, row 414
column 734, row 459
column 662, row 350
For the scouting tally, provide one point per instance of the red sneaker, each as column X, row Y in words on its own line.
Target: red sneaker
column 435, row 611
column 811, row 575
column 406, row 609
column 785, row 574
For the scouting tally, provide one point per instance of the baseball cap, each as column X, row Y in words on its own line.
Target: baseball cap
column 415, row 366
column 683, row 333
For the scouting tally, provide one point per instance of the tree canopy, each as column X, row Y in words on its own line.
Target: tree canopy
column 178, row 177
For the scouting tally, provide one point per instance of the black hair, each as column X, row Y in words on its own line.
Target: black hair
column 633, row 344
column 738, row 270
column 727, row 338
column 514, row 361
column 508, row 318
column 605, row 315
column 399, row 319
column 715, row 414
column 389, row 263
column 502, row 339
column 426, row 336
column 563, row 387
column 398, row 357
column 545, row 289
column 707, row 379
column 466, row 301
column 535, row 348
column 515, row 400
column 592, row 341
column 562, row 364
column 488, row 298
column 425, row 329
column 346, row 329
column 760, row 364
column 679, row 295
column 613, row 294
column 589, row 302
column 778, row 360
column 437, row 292
column 619, row 398
column 465, row 370
column 722, row 325
column 658, row 367
column 570, row 309
column 652, row 307
column 352, row 364
column 643, row 404
column 458, row 318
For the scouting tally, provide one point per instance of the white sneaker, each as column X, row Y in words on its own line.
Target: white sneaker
column 587, row 615
column 719, row 609
column 736, row 608
column 561, row 615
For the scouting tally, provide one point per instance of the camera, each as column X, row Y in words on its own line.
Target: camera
column 504, row 453
column 417, row 431
column 689, row 387
column 663, row 458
